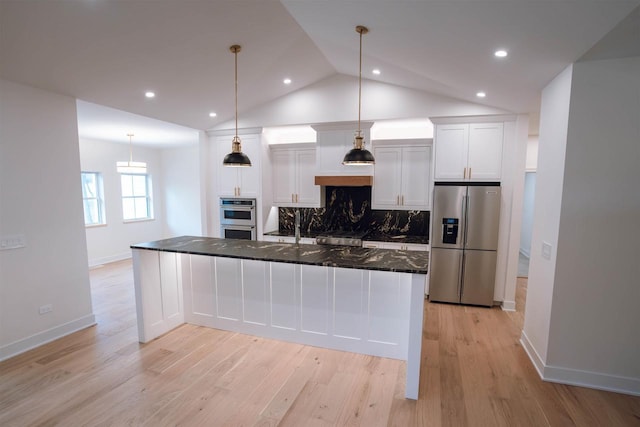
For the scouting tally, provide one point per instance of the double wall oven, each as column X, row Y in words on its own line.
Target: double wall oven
column 238, row 218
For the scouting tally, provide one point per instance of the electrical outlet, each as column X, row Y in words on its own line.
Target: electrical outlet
column 14, row 241
column 47, row 308
column 546, row 250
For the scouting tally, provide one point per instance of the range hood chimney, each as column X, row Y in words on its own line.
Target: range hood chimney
column 345, row 180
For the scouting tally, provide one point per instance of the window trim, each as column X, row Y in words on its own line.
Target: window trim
column 102, row 212
column 148, row 196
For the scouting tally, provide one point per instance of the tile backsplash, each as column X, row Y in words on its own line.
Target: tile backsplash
column 349, row 209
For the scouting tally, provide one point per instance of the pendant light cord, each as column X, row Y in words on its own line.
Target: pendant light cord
column 235, row 53
column 360, row 84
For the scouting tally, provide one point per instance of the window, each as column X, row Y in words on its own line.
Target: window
column 92, row 199
column 136, row 196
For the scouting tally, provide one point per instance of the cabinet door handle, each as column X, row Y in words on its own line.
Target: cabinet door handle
column 465, row 174
column 469, row 173
column 402, row 199
column 292, row 198
column 297, row 198
column 398, row 200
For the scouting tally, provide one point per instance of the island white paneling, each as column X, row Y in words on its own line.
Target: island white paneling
column 283, row 295
column 255, row 298
column 314, row 299
column 347, row 309
column 158, row 293
column 198, row 296
column 228, row 288
column 348, row 303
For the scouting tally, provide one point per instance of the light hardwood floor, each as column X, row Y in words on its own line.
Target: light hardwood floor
column 474, row 373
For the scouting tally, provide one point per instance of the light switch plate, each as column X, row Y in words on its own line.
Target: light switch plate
column 546, row 250
column 14, row 241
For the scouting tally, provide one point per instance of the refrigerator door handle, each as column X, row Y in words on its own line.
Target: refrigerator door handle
column 461, row 280
column 463, row 226
column 467, row 211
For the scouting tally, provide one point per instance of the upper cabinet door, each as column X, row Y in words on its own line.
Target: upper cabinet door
column 468, row 152
column 283, row 173
column 227, row 178
column 387, row 178
column 416, row 177
column 402, row 177
column 250, row 177
column 485, row 151
column 293, row 177
column 451, row 152
column 238, row 182
column 308, row 193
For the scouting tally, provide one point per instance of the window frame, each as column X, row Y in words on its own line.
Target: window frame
column 99, row 199
column 147, row 197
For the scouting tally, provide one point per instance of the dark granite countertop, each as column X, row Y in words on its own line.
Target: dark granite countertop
column 325, row 255
column 375, row 236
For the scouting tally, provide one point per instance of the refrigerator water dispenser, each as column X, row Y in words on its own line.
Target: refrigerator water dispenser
column 450, row 230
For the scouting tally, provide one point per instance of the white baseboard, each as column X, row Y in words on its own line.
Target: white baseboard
column 508, row 305
column 595, row 380
column 533, row 354
column 36, row 340
column 94, row 262
column 576, row 377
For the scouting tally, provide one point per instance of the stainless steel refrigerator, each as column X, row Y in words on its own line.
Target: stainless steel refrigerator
column 465, row 239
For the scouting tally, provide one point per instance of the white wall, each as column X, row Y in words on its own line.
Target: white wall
column 41, row 198
column 528, row 206
column 512, row 183
column 181, row 177
column 111, row 242
column 595, row 313
column 554, row 114
column 582, row 305
column 532, row 153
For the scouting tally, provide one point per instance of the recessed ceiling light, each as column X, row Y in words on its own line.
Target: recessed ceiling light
column 150, row 94
column 376, row 71
column 481, row 94
column 287, row 81
column 500, row 53
column 212, row 114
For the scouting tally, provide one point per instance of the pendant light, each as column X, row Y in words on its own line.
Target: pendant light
column 236, row 158
column 358, row 155
column 130, row 166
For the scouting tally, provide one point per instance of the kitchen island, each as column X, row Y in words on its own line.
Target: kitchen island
column 361, row 300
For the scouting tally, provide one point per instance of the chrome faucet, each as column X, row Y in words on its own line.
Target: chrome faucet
column 297, row 215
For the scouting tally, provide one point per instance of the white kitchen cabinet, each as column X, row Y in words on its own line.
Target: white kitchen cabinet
column 293, row 172
column 468, row 152
column 238, row 181
column 334, row 140
column 402, row 176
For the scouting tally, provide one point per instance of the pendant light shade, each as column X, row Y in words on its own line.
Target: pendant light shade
column 358, row 155
column 236, row 158
column 130, row 166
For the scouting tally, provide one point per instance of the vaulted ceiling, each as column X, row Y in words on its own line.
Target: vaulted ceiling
column 109, row 53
